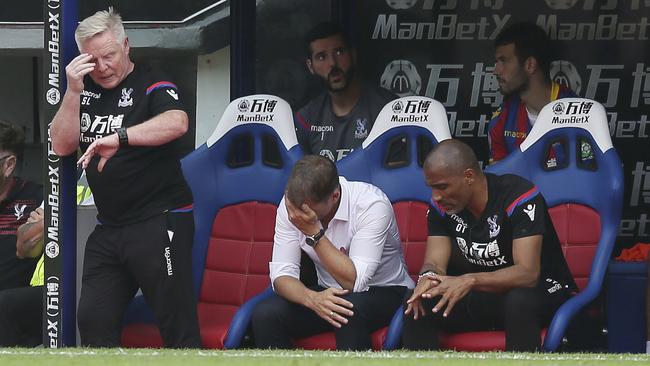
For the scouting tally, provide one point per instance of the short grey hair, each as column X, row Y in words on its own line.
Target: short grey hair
column 100, row 22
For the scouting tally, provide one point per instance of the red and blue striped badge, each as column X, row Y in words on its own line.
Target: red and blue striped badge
column 522, row 199
column 161, row 84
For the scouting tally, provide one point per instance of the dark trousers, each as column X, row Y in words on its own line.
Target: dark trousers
column 521, row 312
column 276, row 321
column 118, row 260
column 21, row 317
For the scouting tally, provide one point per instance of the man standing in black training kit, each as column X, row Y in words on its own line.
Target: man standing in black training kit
column 493, row 259
column 126, row 118
column 338, row 120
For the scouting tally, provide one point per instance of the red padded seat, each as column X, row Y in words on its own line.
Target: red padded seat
column 236, row 269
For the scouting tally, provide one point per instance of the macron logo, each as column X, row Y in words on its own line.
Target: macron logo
column 173, row 94
column 530, row 211
column 168, row 258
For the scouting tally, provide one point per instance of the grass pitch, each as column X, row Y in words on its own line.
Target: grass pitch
column 116, row 357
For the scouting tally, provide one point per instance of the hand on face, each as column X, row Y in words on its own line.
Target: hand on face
column 79, row 67
column 303, row 218
column 110, row 57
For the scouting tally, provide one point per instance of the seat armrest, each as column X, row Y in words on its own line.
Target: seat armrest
column 242, row 318
column 394, row 333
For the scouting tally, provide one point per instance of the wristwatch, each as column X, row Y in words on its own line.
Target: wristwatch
column 427, row 274
column 312, row 240
column 122, row 136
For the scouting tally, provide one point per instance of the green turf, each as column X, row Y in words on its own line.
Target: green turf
column 116, row 357
column 89, row 356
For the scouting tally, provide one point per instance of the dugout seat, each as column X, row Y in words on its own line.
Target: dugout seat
column 569, row 155
column 391, row 158
column 237, row 178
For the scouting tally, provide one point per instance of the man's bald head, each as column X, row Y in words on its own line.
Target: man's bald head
column 454, row 156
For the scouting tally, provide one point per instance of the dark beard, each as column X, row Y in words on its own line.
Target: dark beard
column 516, row 91
column 347, row 76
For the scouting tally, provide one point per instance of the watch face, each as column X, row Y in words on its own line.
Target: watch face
column 312, row 240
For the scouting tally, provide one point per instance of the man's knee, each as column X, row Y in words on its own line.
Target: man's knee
column 420, row 334
column 520, row 300
column 260, row 313
column 270, row 323
column 359, row 303
column 426, row 321
column 267, row 310
column 407, row 320
column 359, row 325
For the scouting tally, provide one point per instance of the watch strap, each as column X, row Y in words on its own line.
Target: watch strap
column 122, row 136
column 427, row 274
column 313, row 239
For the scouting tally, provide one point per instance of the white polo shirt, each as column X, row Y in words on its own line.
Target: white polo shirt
column 364, row 227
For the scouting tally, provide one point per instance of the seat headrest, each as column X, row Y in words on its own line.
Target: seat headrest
column 392, row 155
column 411, row 111
column 260, row 109
column 569, row 155
column 581, row 113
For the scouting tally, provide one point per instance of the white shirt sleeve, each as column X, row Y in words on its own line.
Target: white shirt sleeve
column 367, row 245
column 286, row 247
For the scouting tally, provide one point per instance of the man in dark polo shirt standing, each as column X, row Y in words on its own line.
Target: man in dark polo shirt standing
column 125, row 117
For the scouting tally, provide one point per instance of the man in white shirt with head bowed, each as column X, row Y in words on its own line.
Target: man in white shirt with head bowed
column 350, row 232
